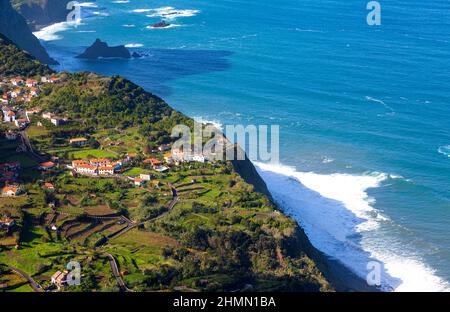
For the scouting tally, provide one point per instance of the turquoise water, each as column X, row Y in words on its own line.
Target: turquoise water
column 364, row 111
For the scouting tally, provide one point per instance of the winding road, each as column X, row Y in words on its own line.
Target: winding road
column 35, row 286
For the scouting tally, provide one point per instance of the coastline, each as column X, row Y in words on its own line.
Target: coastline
column 340, row 277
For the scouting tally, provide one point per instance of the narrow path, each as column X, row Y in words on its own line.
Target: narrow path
column 35, row 286
column 26, row 142
column 116, row 273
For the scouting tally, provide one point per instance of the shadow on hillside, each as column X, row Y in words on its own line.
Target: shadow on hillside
column 152, row 71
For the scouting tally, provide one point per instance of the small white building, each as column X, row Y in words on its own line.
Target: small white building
column 139, row 182
column 106, row 170
column 78, row 141
column 145, row 176
column 10, row 116
column 86, row 169
column 17, row 81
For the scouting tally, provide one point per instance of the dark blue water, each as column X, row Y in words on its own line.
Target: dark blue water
column 364, row 111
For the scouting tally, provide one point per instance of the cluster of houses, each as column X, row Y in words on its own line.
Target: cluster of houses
column 9, row 172
column 96, row 166
column 24, row 89
column 10, row 116
column 6, row 223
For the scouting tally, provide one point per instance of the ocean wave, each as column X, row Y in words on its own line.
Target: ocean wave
column 88, row 5
column 134, row 45
column 121, row 1
column 444, row 150
column 217, row 124
column 141, row 10
column 386, row 106
column 50, row 33
column 100, row 13
column 129, row 25
column 172, row 13
column 338, row 216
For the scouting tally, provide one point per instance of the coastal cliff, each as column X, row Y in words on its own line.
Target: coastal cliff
column 15, row 28
column 41, row 13
column 100, row 49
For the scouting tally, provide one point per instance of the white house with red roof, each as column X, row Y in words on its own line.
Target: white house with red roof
column 10, row 116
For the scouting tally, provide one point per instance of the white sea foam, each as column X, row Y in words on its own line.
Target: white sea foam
column 50, row 33
column 88, row 5
column 215, row 123
column 444, row 150
column 100, row 13
column 339, row 218
column 134, row 45
column 129, row 25
column 172, row 13
column 121, row 1
column 386, row 106
column 141, row 10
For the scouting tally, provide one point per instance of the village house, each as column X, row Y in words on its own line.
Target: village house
column 17, row 82
column 59, row 279
column 57, row 121
column 156, row 183
column 34, row 91
column 10, row 116
column 47, row 115
column 99, row 161
column 31, row 111
column 106, row 170
column 139, row 182
column 49, row 186
column 46, row 165
column 86, row 169
column 12, row 166
column 7, row 223
column 53, row 80
column 80, row 162
column 154, row 162
column 16, row 93
column 20, row 123
column 145, row 176
column 168, row 157
column 11, row 135
column 131, row 156
column 116, row 164
column 78, row 141
column 5, row 98
column 11, row 191
column 31, row 83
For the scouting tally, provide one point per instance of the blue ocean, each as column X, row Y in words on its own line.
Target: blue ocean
column 363, row 110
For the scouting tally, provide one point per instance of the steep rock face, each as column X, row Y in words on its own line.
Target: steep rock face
column 101, row 49
column 41, row 13
column 15, row 28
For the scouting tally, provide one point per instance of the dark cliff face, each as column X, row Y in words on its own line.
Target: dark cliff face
column 101, row 49
column 15, row 28
column 41, row 13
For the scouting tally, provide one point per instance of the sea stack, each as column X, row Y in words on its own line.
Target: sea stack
column 101, row 49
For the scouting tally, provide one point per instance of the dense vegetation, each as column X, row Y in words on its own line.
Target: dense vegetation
column 16, row 62
column 111, row 102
